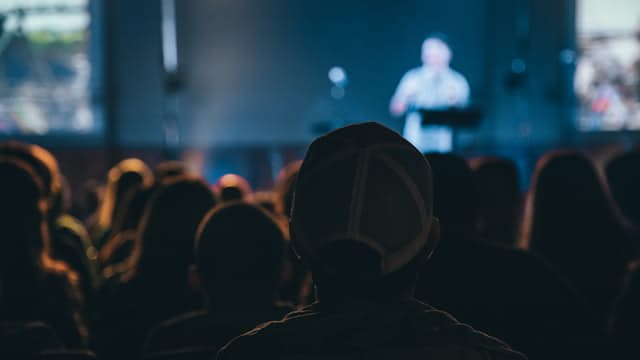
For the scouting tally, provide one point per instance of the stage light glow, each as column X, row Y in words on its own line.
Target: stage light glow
column 338, row 76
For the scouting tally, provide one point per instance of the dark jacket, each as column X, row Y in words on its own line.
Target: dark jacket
column 404, row 329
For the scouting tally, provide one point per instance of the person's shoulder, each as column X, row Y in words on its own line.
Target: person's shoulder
column 413, row 73
column 444, row 329
column 265, row 338
column 427, row 331
column 165, row 334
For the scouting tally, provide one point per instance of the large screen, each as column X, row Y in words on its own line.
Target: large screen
column 45, row 69
column 282, row 71
column 607, row 78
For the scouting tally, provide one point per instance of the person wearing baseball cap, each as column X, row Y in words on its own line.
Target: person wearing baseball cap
column 362, row 221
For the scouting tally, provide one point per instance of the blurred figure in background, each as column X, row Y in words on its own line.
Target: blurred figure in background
column 69, row 240
column 126, row 175
column 232, row 187
column 239, row 253
column 623, row 176
column 121, row 241
column 499, row 200
column 571, row 221
column 155, row 285
column 33, row 286
column 434, row 85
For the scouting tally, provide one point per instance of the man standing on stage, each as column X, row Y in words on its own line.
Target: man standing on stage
column 434, row 85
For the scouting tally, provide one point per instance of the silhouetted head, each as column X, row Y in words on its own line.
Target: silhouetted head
column 285, row 185
column 22, row 209
column 239, row 254
column 41, row 161
column 167, row 231
column 122, row 178
column 362, row 215
column 623, row 175
column 499, row 200
column 571, row 221
column 232, row 187
column 25, row 234
column 454, row 199
column 568, row 198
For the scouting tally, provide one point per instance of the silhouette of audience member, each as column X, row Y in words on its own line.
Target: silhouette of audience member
column 122, row 239
column 156, row 285
column 362, row 220
column 239, row 254
column 72, row 243
column 232, row 187
column 33, row 286
column 506, row 292
column 69, row 241
column 499, row 200
column 128, row 174
column 623, row 177
column 571, row 222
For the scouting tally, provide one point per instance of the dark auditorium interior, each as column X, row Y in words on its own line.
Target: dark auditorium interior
column 332, row 179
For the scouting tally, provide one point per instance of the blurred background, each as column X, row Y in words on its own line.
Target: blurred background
column 243, row 86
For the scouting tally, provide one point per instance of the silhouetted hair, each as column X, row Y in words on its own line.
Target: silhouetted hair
column 239, row 251
column 567, row 197
column 123, row 177
column 164, row 249
column 623, row 176
column 499, row 200
column 43, row 164
column 231, row 187
column 571, row 221
column 285, row 185
column 454, row 198
column 26, row 267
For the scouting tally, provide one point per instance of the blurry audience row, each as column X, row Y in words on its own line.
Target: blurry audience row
column 158, row 260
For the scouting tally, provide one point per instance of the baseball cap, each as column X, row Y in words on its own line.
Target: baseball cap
column 363, row 183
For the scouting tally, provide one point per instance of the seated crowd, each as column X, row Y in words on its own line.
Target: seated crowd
column 366, row 249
